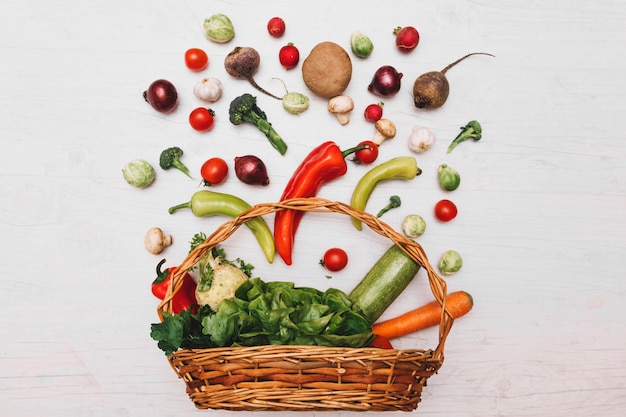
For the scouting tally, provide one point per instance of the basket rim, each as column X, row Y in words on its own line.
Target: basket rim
column 413, row 249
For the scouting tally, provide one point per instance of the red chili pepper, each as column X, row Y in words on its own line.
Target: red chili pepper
column 322, row 164
column 185, row 298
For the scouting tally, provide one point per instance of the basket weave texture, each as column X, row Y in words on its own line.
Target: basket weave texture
column 308, row 378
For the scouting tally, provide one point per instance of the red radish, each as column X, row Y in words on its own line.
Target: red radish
column 374, row 112
column 276, row 27
column 407, row 38
column 289, row 56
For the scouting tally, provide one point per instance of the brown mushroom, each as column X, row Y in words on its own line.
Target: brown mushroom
column 155, row 240
column 385, row 129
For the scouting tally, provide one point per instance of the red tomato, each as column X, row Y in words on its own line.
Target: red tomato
column 289, row 56
column 445, row 210
column 407, row 38
column 373, row 112
column 201, row 119
column 381, row 342
column 276, row 27
column 214, row 171
column 368, row 155
column 196, row 59
column 335, row 259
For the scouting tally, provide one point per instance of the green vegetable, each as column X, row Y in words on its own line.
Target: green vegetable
column 139, row 173
column 450, row 262
column 394, row 202
column 401, row 167
column 205, row 203
column 244, row 109
column 219, row 28
column 413, row 225
column 295, row 103
column 361, row 45
column 268, row 313
column 170, row 158
column 449, row 178
column 384, row 282
column 472, row 130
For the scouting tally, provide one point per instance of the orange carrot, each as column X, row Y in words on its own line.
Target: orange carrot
column 458, row 304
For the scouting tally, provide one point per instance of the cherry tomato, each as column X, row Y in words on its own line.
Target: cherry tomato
column 445, row 210
column 373, row 112
column 196, row 59
column 201, row 119
column 335, row 259
column 276, row 27
column 368, row 155
column 289, row 56
column 407, row 38
column 214, row 171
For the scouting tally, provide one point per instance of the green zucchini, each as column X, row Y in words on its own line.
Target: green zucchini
column 389, row 276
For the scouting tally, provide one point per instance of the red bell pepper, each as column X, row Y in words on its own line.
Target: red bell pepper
column 323, row 164
column 185, row 298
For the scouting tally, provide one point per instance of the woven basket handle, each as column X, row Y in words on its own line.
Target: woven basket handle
column 314, row 204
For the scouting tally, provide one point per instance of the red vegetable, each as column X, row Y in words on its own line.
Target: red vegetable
column 380, row 342
column 407, row 38
column 276, row 27
column 323, row 164
column 373, row 112
column 334, row 259
column 201, row 119
column 367, row 155
column 289, row 56
column 185, row 298
column 196, row 59
column 162, row 96
column 214, row 171
column 445, row 210
column 386, row 81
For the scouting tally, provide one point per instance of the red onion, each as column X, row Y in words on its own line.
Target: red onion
column 251, row 170
column 162, row 96
column 386, row 81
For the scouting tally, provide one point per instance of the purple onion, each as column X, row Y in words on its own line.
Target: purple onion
column 162, row 96
column 251, row 170
column 386, row 81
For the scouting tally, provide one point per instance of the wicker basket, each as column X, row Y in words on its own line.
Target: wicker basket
column 307, row 378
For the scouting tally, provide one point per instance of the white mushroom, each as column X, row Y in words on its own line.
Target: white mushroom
column 385, row 129
column 155, row 240
column 341, row 106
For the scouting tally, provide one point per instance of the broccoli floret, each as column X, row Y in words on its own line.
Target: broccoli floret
column 244, row 109
column 394, row 201
column 472, row 130
column 171, row 158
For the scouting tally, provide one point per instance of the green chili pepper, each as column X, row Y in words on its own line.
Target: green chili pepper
column 401, row 167
column 207, row 203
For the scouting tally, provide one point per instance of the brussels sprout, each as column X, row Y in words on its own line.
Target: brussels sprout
column 449, row 178
column 450, row 262
column 295, row 103
column 219, row 28
column 361, row 45
column 139, row 173
column 413, row 225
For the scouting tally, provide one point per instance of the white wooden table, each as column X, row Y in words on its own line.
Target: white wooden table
column 542, row 204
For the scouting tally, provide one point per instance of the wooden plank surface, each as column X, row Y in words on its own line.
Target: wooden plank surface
column 542, row 205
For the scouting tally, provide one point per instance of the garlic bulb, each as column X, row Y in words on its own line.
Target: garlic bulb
column 421, row 139
column 208, row 89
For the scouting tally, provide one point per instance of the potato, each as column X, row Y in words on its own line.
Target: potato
column 327, row 70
